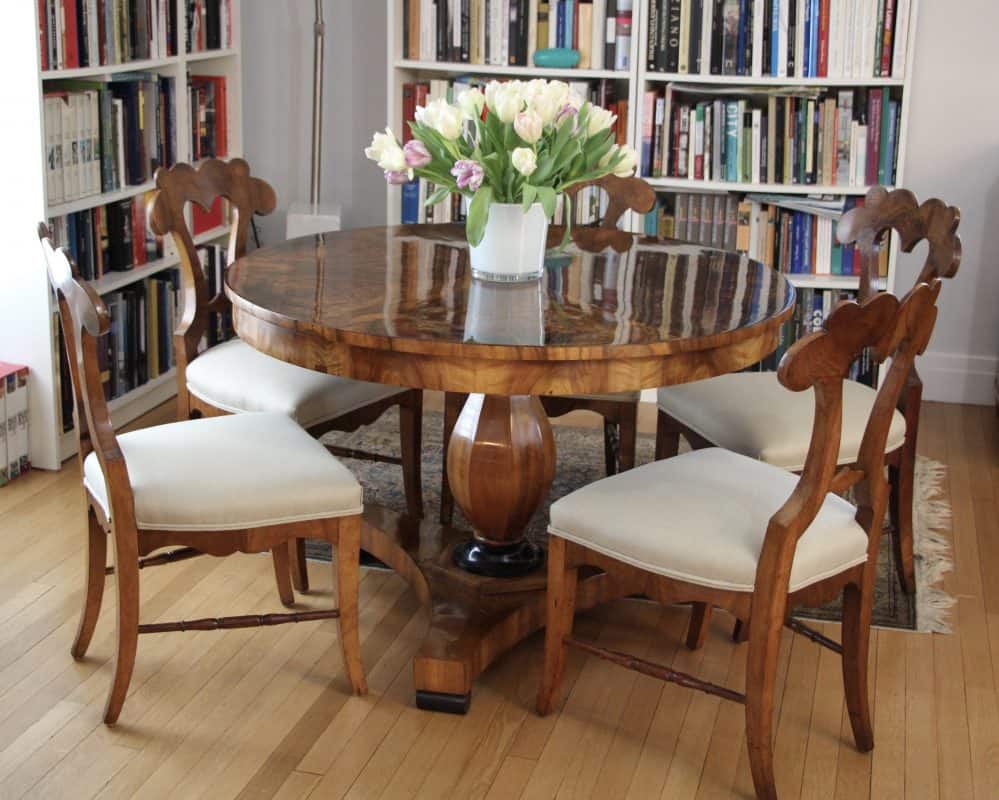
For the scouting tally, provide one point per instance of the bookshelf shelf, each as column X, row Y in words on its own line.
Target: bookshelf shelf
column 209, row 55
column 108, row 70
column 94, row 200
column 770, row 82
column 686, row 185
column 27, row 327
column 493, row 69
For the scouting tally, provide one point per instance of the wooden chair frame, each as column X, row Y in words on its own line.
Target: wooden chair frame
column 820, row 360
column 183, row 184
column 620, row 417
column 84, row 319
column 866, row 226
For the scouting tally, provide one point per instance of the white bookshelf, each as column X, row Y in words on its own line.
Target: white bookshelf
column 638, row 79
column 26, row 329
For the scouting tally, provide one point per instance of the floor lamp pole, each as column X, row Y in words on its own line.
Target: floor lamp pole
column 317, row 106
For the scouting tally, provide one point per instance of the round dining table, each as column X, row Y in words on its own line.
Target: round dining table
column 613, row 312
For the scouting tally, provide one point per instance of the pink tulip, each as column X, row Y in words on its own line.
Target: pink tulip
column 468, row 174
column 416, row 154
column 398, row 177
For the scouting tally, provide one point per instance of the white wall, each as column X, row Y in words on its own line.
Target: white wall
column 953, row 150
column 953, row 154
column 277, row 80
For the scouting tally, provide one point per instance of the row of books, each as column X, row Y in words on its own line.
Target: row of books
column 810, row 311
column 849, row 138
column 508, row 32
column 795, row 237
column 103, row 136
column 210, row 25
column 91, row 33
column 779, row 38
column 14, row 458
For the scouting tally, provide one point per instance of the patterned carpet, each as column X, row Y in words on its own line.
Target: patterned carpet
column 580, row 461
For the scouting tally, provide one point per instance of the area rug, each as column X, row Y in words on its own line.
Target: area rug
column 581, row 461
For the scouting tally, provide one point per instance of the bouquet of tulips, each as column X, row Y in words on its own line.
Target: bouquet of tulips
column 517, row 142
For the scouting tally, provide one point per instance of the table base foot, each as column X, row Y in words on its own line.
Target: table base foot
column 443, row 702
column 499, row 561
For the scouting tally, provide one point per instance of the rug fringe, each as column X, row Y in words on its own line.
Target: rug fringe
column 934, row 557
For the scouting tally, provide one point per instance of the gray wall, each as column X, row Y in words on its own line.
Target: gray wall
column 953, row 149
column 953, row 154
column 277, row 98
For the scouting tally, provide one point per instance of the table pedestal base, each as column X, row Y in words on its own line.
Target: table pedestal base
column 474, row 619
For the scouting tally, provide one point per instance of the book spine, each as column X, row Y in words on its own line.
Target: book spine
column 672, row 28
column 695, row 55
column 823, row 37
column 887, row 38
column 683, row 54
column 733, row 124
column 745, row 20
column 874, row 106
column 622, row 59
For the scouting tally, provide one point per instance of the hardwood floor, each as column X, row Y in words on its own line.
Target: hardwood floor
column 257, row 713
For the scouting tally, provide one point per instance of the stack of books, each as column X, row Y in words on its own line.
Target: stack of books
column 508, row 32
column 89, row 33
column 209, row 116
column 779, row 38
column 846, row 137
column 14, row 460
column 102, row 136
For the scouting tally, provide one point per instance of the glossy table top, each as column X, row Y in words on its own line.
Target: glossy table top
column 607, row 295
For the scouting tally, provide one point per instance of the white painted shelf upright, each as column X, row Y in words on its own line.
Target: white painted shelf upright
column 27, row 334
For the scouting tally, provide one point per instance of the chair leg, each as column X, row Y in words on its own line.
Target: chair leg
column 627, row 438
column 697, row 628
column 901, row 480
column 97, row 549
column 453, row 403
column 612, row 446
column 667, row 437
column 126, row 565
column 348, row 578
column 761, row 679
column 561, row 600
column 411, row 447
column 282, row 573
column 299, row 569
column 740, row 631
column 857, row 601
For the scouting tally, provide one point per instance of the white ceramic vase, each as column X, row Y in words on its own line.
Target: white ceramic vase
column 513, row 247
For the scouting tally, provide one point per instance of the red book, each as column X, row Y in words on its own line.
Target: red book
column 874, row 111
column 202, row 220
column 824, row 39
column 408, row 110
column 70, row 48
column 43, row 24
column 221, row 119
column 887, row 38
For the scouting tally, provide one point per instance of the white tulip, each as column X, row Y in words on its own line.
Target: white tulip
column 471, row 102
column 508, row 101
column 385, row 150
column 600, row 119
column 528, row 126
column 628, row 164
column 524, row 160
column 547, row 100
column 442, row 117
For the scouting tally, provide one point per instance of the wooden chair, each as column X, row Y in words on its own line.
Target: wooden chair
column 250, row 483
column 749, row 412
column 721, row 529
column 618, row 410
column 232, row 377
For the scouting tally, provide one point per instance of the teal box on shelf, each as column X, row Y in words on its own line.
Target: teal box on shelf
column 556, row 57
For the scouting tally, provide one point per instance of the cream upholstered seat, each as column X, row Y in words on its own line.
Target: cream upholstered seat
column 701, row 518
column 229, row 473
column 237, row 378
column 752, row 414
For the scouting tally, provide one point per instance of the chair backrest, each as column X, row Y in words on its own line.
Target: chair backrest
column 623, row 194
column 84, row 319
column 890, row 328
column 180, row 185
column 899, row 210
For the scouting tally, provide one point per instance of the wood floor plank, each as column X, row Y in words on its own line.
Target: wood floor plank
column 888, row 767
column 822, row 749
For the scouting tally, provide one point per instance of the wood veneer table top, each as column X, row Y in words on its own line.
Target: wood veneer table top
column 408, row 289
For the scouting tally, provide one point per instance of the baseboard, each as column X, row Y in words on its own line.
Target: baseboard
column 957, row 378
